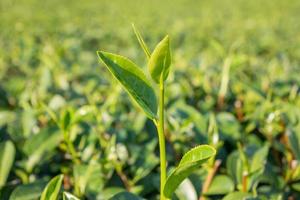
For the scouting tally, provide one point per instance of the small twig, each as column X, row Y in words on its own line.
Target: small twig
column 245, row 181
column 209, row 178
column 124, row 179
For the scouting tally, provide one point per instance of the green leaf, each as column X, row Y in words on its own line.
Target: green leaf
column 221, row 184
column 191, row 161
column 7, row 157
column 294, row 141
column 39, row 147
column 259, row 159
column 52, row 189
column 296, row 186
column 234, row 166
column 160, row 60
column 30, row 191
column 133, row 80
column 69, row 196
column 237, row 196
column 141, row 41
column 186, row 190
column 66, row 120
column 125, row 196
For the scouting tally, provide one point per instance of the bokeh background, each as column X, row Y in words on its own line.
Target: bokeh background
column 51, row 82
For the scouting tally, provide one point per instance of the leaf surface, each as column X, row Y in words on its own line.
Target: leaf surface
column 7, row 157
column 133, row 80
column 160, row 60
column 221, row 184
column 191, row 161
column 125, row 196
column 52, row 189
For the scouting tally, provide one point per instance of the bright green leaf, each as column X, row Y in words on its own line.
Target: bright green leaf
column 69, row 196
column 160, row 60
column 191, row 161
column 133, row 79
column 141, row 41
column 52, row 189
column 7, row 157
column 221, row 184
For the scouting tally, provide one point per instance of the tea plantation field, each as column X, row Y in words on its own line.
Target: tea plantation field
column 69, row 130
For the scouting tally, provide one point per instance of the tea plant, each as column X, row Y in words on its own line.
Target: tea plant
column 143, row 93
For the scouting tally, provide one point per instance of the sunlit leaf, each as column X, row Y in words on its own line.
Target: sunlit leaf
column 52, row 189
column 141, row 41
column 160, row 60
column 191, row 161
column 133, row 80
column 7, row 157
column 221, row 184
column 69, row 196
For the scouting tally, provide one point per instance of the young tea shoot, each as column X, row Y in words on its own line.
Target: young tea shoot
column 143, row 92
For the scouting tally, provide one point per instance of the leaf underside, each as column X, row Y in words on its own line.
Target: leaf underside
column 191, row 161
column 133, row 80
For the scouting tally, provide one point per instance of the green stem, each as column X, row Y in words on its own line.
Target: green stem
column 161, row 137
column 71, row 148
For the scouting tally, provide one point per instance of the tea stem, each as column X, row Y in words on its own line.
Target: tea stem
column 71, row 148
column 161, row 137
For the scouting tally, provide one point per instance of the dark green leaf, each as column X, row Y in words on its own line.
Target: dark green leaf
column 125, row 196
column 30, row 191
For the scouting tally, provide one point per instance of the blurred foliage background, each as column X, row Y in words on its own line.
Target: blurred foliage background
column 235, row 80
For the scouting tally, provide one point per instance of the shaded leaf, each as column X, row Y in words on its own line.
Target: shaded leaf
column 191, row 161
column 125, row 196
column 30, row 191
column 133, row 80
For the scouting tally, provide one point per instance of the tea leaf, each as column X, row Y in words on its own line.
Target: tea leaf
column 7, row 157
column 30, row 191
column 141, row 41
column 259, row 159
column 52, row 189
column 133, row 80
column 125, row 196
column 221, row 184
column 69, row 196
column 160, row 60
column 237, row 195
column 191, row 161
